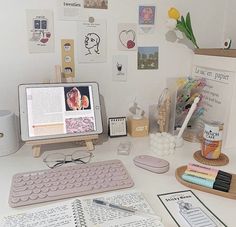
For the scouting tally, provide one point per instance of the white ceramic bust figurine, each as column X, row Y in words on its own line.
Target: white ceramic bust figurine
column 136, row 110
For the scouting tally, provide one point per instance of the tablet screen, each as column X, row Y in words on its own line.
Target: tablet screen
column 55, row 110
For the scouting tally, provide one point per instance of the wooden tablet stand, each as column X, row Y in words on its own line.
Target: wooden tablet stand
column 88, row 139
column 36, row 144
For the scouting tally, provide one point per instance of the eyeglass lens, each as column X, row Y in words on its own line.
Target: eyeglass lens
column 55, row 160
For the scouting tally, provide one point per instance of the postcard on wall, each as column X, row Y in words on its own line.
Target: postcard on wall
column 119, row 67
column 40, row 31
column 216, row 94
column 127, row 36
column 146, row 19
column 71, row 9
column 148, row 57
column 188, row 210
column 96, row 4
column 92, row 41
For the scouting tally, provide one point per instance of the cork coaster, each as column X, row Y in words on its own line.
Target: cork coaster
column 221, row 161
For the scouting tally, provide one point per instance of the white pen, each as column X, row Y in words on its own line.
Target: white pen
column 126, row 209
column 190, row 112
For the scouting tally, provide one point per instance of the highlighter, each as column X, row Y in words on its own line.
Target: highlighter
column 217, row 184
column 211, row 171
column 208, row 176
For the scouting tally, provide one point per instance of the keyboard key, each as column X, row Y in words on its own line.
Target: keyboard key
column 68, row 181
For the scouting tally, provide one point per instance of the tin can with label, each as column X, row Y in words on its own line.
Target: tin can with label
column 212, row 140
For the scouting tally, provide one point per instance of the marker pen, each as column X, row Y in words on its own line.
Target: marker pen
column 217, row 185
column 208, row 176
column 210, row 171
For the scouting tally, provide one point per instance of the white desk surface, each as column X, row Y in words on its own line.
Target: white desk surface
column 147, row 182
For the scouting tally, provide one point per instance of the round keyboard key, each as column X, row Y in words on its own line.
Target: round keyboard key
column 42, row 195
column 55, row 183
column 78, row 184
column 55, row 179
column 26, row 178
column 61, row 187
column 54, row 188
column 45, row 189
column 112, row 184
column 18, row 189
column 33, row 196
column 46, row 180
column 64, row 182
column 38, row 181
column 47, row 185
column 15, row 200
column 69, row 186
column 97, row 186
column 31, row 187
column 39, row 185
column 24, row 198
column 30, row 182
column 85, row 183
column 36, row 190
column 22, row 183
column 18, row 180
column 34, row 177
column 69, row 177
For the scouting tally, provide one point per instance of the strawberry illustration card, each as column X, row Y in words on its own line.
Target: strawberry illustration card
column 127, row 36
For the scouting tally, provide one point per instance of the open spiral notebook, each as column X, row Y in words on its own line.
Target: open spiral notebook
column 83, row 212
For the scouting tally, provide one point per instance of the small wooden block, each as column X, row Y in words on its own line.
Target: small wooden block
column 36, row 150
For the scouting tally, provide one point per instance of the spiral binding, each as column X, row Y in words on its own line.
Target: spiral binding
column 78, row 214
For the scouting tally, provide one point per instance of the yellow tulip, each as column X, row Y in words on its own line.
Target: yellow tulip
column 173, row 13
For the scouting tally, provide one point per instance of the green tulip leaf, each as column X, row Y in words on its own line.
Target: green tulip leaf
column 188, row 23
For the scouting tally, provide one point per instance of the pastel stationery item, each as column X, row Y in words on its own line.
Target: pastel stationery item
column 207, row 176
column 209, row 170
column 217, row 185
column 151, row 163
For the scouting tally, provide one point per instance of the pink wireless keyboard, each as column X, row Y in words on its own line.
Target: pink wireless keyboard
column 68, row 181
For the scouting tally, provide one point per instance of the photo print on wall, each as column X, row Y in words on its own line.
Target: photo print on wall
column 96, row 4
column 127, row 36
column 148, row 57
column 146, row 18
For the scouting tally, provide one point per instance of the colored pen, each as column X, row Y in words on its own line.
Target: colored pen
column 209, row 170
column 217, row 185
column 208, row 176
column 125, row 209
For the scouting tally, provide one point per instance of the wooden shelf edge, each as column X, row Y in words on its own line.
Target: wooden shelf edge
column 216, row 52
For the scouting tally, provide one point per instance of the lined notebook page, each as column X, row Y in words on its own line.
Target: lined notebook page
column 82, row 212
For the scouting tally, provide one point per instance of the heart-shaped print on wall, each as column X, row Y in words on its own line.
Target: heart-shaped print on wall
column 127, row 38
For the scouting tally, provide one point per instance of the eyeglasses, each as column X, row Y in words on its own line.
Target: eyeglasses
column 79, row 157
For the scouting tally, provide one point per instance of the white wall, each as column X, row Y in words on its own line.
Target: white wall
column 230, row 25
column 18, row 66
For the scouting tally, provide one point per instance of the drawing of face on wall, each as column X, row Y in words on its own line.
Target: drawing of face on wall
column 91, row 42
